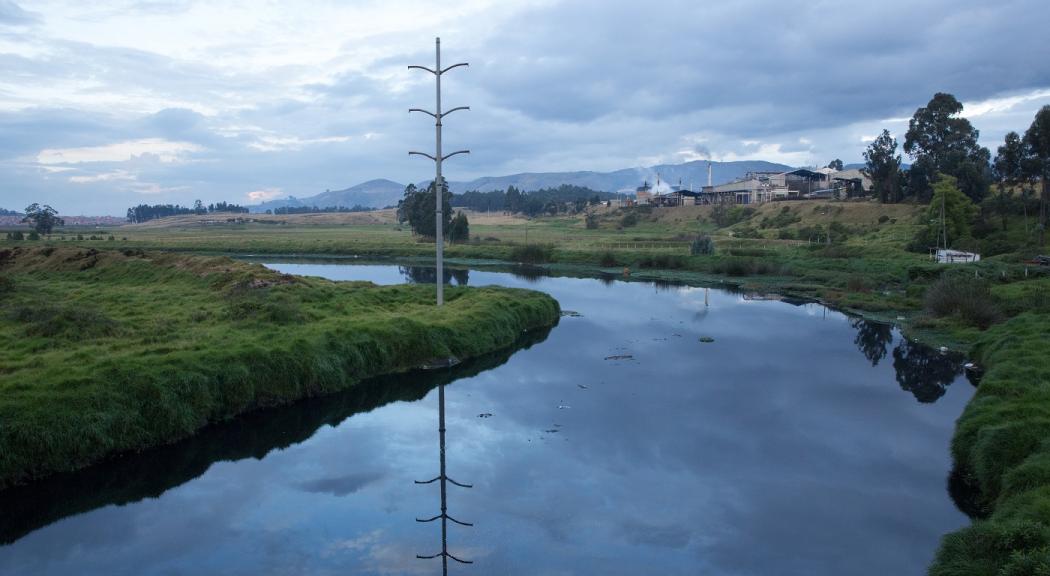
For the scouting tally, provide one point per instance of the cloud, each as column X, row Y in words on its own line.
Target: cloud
column 160, row 149
column 183, row 95
column 115, row 175
column 264, row 195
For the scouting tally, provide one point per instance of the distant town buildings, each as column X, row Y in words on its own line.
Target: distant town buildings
column 760, row 187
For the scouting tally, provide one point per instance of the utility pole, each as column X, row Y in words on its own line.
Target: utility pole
column 439, row 188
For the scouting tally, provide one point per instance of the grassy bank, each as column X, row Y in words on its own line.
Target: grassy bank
column 109, row 351
column 1001, row 451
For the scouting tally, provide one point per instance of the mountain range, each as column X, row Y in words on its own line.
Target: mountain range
column 693, row 175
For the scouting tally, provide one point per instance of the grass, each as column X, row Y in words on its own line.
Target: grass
column 1001, row 451
column 105, row 351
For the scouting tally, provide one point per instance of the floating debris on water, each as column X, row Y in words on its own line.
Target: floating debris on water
column 552, row 431
column 563, row 406
column 706, row 339
column 583, row 386
column 571, row 314
column 485, row 415
column 620, row 357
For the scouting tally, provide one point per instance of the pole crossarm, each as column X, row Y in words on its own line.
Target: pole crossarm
column 423, row 68
column 423, row 154
column 444, row 516
column 446, row 555
column 436, row 478
column 447, row 156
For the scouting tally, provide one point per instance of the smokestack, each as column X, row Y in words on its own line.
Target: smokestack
column 708, row 173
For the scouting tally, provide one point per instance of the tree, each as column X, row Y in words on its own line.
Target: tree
column 959, row 212
column 459, row 228
column 883, row 165
column 942, row 142
column 42, row 219
column 1037, row 162
column 1009, row 168
column 198, row 208
column 417, row 208
column 835, row 164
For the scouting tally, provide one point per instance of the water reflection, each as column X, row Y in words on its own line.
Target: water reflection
column 443, row 481
column 923, row 371
column 151, row 473
column 873, row 338
column 428, row 275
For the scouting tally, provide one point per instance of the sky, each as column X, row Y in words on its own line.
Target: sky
column 112, row 103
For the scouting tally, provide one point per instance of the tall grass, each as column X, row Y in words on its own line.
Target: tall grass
column 135, row 351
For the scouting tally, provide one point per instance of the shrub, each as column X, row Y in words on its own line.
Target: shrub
column 591, row 221
column 533, row 253
column 783, row 218
column 608, row 259
column 884, row 219
column 33, row 235
column 52, row 321
column 662, row 261
column 702, row 246
column 6, row 285
column 857, row 283
column 629, row 219
column 785, row 234
column 968, row 299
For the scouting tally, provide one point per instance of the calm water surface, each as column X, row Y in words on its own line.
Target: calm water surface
column 800, row 441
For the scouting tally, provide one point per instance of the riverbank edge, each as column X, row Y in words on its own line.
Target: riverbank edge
column 997, row 447
column 171, row 402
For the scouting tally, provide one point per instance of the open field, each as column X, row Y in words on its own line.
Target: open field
column 108, row 351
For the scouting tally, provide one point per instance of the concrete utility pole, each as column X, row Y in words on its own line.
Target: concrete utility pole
column 439, row 187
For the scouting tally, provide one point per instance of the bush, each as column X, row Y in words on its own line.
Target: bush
column 662, row 261
column 533, row 253
column 702, row 246
column 746, row 267
column 608, row 259
column 72, row 322
column 968, row 299
column 34, row 236
column 783, row 218
column 785, row 234
column 591, row 221
column 629, row 219
column 884, row 219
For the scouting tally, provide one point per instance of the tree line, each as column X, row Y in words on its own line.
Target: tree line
column 561, row 200
column 147, row 212
column 946, row 158
column 4, row 212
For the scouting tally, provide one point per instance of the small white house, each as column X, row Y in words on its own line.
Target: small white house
column 956, row 257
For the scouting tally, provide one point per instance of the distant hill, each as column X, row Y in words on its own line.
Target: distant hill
column 372, row 194
column 380, row 193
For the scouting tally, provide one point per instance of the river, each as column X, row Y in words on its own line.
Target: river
column 798, row 440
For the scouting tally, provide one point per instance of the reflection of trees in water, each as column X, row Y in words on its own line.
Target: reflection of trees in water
column 428, row 275
column 531, row 274
column 150, row 473
column 666, row 286
column 873, row 339
column 923, row 371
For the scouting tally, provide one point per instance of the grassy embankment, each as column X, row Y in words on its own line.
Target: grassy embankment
column 109, row 351
column 998, row 309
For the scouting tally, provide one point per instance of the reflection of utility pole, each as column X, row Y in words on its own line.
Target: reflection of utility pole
column 439, row 189
column 443, row 478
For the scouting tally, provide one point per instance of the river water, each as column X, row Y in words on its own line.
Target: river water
column 798, row 441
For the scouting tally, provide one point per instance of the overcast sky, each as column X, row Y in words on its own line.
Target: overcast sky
column 107, row 104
